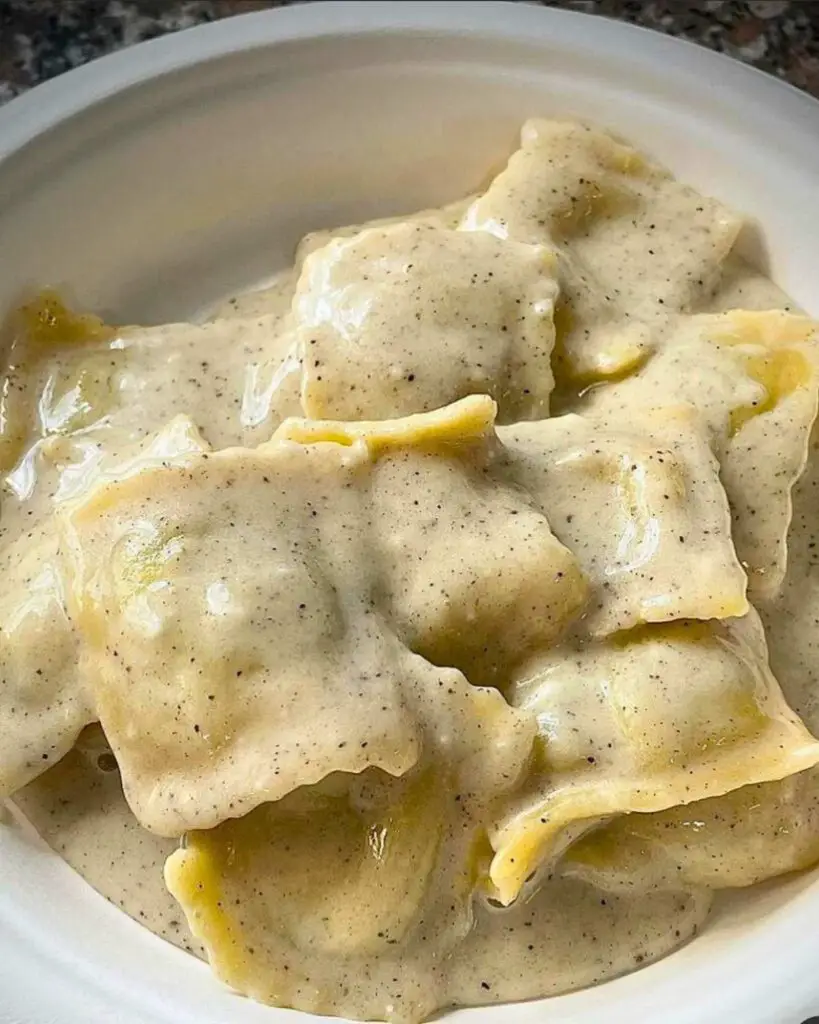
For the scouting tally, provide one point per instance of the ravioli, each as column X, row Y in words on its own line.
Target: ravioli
column 488, row 581
column 790, row 619
column 671, row 714
column 606, row 209
column 473, row 575
column 407, row 318
column 368, row 875
column 782, row 357
column 641, row 507
column 444, row 713
column 754, row 377
column 44, row 697
column 240, row 657
column 745, row 837
column 71, row 375
column 235, row 654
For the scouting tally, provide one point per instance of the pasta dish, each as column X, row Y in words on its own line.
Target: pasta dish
column 435, row 626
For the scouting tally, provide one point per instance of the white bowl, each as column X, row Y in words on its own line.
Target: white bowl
column 155, row 181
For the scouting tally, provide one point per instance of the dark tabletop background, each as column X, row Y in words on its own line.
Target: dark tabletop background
column 42, row 38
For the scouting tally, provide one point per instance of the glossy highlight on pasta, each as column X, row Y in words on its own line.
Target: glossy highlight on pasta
column 434, row 626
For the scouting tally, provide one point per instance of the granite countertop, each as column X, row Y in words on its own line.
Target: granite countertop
column 42, row 38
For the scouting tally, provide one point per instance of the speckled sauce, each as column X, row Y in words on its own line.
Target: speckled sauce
column 435, row 625
column 79, row 809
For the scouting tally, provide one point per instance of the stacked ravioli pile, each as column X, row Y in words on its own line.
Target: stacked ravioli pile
column 459, row 590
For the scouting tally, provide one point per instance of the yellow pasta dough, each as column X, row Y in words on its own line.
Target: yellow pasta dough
column 419, row 710
column 671, row 714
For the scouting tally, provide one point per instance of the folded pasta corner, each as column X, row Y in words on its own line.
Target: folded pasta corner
column 674, row 714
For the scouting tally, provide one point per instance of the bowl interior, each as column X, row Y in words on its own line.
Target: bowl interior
column 156, row 199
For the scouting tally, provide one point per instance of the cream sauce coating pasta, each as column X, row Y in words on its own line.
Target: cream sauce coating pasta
column 436, row 625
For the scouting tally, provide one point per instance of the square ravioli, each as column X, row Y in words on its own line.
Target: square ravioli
column 275, row 566
column 236, row 588
column 661, row 716
column 754, row 379
column 635, row 244
column 363, row 875
column 641, row 507
column 45, row 699
column 472, row 574
column 409, row 317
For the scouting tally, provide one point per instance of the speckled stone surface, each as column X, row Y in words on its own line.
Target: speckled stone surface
column 42, row 38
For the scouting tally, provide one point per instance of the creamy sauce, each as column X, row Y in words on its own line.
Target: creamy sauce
column 79, row 809
column 446, row 714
